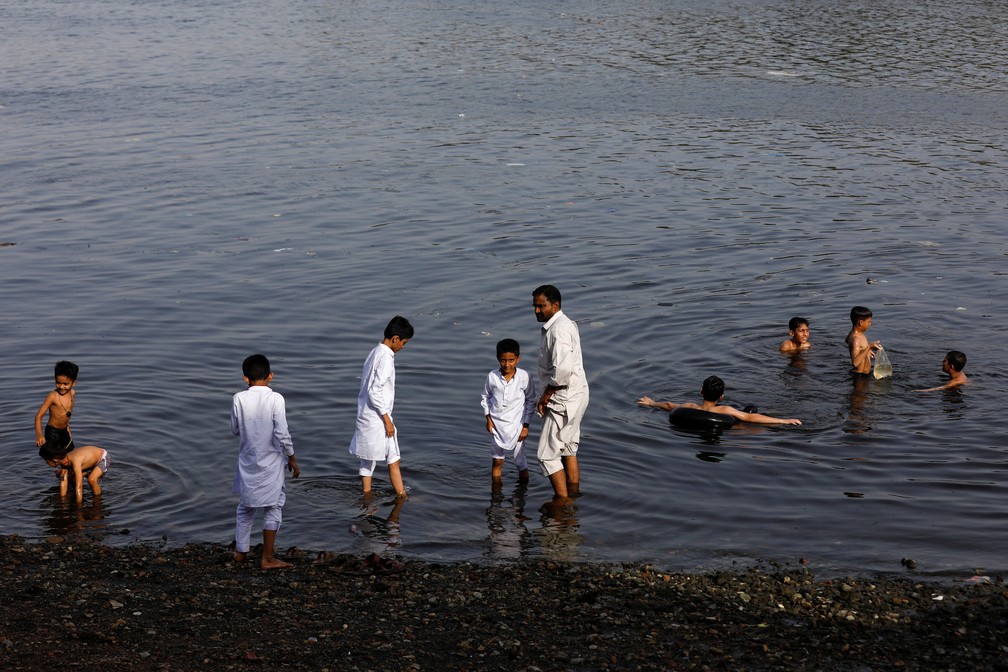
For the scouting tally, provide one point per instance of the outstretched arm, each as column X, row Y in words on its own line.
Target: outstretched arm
column 664, row 405
column 760, row 419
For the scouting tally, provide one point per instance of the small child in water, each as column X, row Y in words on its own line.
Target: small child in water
column 59, row 405
column 90, row 461
column 953, row 365
column 713, row 392
column 861, row 351
column 509, row 399
column 798, row 331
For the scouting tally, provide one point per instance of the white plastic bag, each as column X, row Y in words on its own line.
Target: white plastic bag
column 883, row 367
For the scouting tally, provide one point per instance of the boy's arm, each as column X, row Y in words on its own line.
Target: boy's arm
column 485, row 403
column 63, row 473
column 292, row 466
column 78, row 478
column 39, row 436
column 664, row 405
column 758, row 418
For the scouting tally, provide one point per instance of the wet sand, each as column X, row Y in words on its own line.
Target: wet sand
column 72, row 604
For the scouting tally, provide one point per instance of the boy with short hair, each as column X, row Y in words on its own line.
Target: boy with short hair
column 59, row 404
column 259, row 419
column 90, row 461
column 375, row 435
column 508, row 400
column 713, row 392
column 861, row 351
column 953, row 365
column 798, row 331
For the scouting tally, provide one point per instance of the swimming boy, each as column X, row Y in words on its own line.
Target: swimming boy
column 259, row 419
column 59, row 404
column 798, row 331
column 90, row 461
column 375, row 435
column 713, row 392
column 861, row 351
column 508, row 400
column 953, row 365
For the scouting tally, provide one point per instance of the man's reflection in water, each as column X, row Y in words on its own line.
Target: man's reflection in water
column 558, row 537
column 509, row 539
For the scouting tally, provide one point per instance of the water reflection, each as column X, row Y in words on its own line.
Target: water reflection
column 378, row 533
column 509, row 539
column 558, row 536
column 66, row 516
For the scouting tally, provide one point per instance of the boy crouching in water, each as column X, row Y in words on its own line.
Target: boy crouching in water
column 259, row 418
column 90, row 461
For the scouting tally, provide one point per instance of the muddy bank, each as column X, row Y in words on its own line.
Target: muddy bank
column 80, row 605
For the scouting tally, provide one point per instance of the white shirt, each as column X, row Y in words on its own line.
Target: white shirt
column 510, row 404
column 259, row 418
column 560, row 364
column 376, row 398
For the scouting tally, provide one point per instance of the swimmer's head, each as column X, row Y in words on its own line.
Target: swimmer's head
column 858, row 313
column 713, row 389
column 955, row 360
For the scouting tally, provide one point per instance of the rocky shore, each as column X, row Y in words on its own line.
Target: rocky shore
column 79, row 605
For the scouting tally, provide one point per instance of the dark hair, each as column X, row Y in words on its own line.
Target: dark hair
column 68, row 369
column 256, row 368
column 507, row 345
column 399, row 326
column 858, row 313
column 956, row 360
column 796, row 322
column 551, row 293
column 50, row 451
column 713, row 388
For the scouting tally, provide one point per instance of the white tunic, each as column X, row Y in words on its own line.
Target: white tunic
column 376, row 397
column 510, row 404
column 560, row 364
column 259, row 418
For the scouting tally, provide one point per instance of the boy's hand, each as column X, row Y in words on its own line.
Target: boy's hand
column 39, row 441
column 490, row 425
column 292, row 466
column 389, row 427
column 523, row 434
column 646, row 401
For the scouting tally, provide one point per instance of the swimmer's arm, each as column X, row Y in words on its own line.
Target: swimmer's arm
column 39, row 436
column 760, row 419
column 664, row 405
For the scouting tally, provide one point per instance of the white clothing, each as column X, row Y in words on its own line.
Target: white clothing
column 560, row 364
column 367, row 467
column 259, row 418
column 376, row 397
column 245, row 515
column 510, row 404
column 517, row 455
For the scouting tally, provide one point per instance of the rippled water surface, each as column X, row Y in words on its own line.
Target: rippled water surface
column 183, row 184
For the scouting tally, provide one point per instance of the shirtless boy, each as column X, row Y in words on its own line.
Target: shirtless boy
column 59, row 405
column 713, row 392
column 90, row 461
column 798, row 331
column 953, row 365
column 861, row 351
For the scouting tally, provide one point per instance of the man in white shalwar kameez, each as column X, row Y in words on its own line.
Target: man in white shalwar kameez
column 565, row 392
column 259, row 418
column 375, row 437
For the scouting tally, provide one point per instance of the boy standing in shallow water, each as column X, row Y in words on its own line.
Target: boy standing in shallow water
column 861, row 351
column 259, row 418
column 375, row 436
column 91, row 461
column 798, row 332
column 508, row 400
column 59, row 404
column 953, row 365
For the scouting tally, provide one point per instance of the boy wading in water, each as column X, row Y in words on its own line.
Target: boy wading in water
column 265, row 449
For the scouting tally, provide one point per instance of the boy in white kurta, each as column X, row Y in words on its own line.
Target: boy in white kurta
column 259, row 418
column 375, row 437
column 508, row 401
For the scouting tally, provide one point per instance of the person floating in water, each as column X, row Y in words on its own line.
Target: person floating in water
column 953, row 365
column 798, row 332
column 713, row 392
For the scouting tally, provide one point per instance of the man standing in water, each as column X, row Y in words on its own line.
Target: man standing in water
column 565, row 393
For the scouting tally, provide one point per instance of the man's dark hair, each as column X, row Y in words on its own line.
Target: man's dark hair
column 956, row 360
column 551, row 293
column 713, row 388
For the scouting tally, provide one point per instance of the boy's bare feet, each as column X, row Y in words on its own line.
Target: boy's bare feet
column 239, row 557
column 273, row 563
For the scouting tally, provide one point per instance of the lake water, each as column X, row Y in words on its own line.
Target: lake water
column 185, row 183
